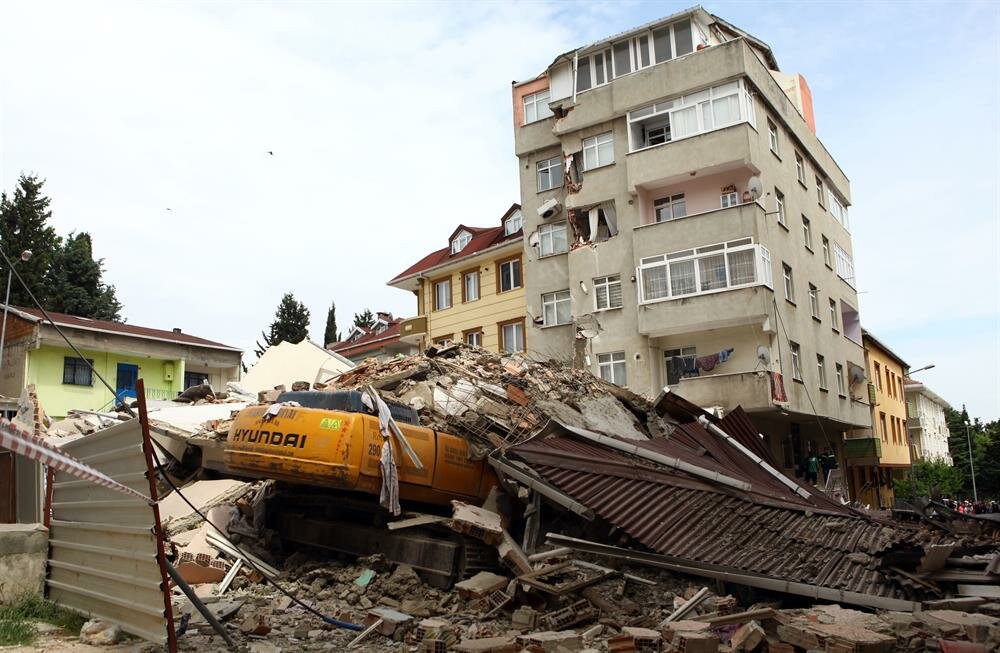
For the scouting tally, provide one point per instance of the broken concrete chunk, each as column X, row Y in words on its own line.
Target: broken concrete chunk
column 477, row 522
column 480, row 585
column 487, row 645
column 949, row 622
column 550, row 641
column 100, row 633
column 388, row 620
column 747, row 637
column 692, row 642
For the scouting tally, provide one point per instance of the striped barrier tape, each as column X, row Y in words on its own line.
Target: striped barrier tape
column 22, row 441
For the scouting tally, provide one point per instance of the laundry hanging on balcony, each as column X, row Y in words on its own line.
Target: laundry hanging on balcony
column 708, row 363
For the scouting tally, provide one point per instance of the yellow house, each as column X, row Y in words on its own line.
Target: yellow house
column 877, row 455
column 472, row 290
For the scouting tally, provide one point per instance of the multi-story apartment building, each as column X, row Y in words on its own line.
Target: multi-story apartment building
column 926, row 421
column 877, row 455
column 472, row 290
column 687, row 229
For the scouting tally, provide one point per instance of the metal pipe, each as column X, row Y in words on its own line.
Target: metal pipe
column 792, row 485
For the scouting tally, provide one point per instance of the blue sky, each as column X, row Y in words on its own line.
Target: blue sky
column 374, row 111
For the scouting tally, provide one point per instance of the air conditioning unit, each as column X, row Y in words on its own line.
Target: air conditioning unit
column 549, row 208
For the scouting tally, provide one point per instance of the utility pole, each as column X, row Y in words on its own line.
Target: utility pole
column 972, row 467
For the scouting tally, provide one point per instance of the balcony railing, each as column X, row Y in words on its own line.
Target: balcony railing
column 870, row 447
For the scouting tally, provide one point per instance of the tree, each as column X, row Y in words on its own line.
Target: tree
column 73, row 282
column 291, row 324
column 364, row 319
column 24, row 226
column 331, row 334
column 930, row 478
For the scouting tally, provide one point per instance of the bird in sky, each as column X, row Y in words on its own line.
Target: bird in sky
column 270, row 152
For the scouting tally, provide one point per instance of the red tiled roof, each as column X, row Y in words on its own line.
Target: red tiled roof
column 75, row 322
column 482, row 238
column 369, row 341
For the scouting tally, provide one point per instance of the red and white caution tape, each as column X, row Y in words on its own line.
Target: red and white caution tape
column 23, row 442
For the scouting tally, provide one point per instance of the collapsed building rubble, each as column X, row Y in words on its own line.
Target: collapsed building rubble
column 605, row 509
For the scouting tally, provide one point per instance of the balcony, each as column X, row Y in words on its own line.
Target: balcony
column 751, row 390
column 696, row 229
column 413, row 329
column 863, row 450
column 717, row 149
column 701, row 312
column 916, row 423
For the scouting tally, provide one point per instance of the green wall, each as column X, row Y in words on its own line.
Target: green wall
column 45, row 370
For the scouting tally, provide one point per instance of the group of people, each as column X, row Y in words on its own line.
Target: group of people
column 967, row 507
column 825, row 461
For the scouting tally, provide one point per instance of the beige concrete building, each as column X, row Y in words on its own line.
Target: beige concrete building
column 686, row 228
column 927, row 422
column 471, row 290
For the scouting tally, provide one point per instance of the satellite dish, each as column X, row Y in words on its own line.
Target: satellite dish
column 764, row 354
column 755, row 188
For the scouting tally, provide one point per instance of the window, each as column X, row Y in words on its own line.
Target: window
column 474, row 338
column 669, row 208
column 821, row 370
column 536, row 106
column 680, row 364
column 800, row 169
column 598, row 151
column 512, row 336
column 807, row 232
column 556, row 308
column 77, row 371
column 878, row 376
column 550, row 174
column 838, row 210
column 608, row 292
column 552, row 239
column 443, row 341
column 634, row 53
column 814, row 301
column 509, row 277
column 513, row 224
column 192, row 379
column 820, row 193
column 844, row 264
column 789, row 282
column 779, row 207
column 885, row 430
column 772, row 136
column 729, row 199
column 735, row 264
column 442, row 294
column 470, row 286
column 841, row 384
column 689, row 115
column 612, row 367
column 460, row 241
column 833, row 314
column 796, row 362
column 826, row 252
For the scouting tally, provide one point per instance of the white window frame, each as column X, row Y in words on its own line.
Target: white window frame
column 553, row 302
column 514, row 223
column 820, row 192
column 606, row 285
column 548, row 165
column 834, row 309
column 702, row 101
column 592, row 150
column 814, row 301
column 474, row 335
column 611, row 366
column 662, row 264
column 460, row 241
column 779, row 207
column 789, row 281
column 826, row 251
column 841, row 384
column 520, row 274
column 772, row 136
column 447, row 297
column 670, row 202
column 838, row 210
column 517, row 331
column 807, row 232
column 547, row 245
column 473, row 296
column 845, row 265
column 536, row 106
column 821, row 371
column 796, row 353
column 729, row 200
column 800, row 168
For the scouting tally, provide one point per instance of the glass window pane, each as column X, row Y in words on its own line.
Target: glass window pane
column 615, row 294
column 726, row 110
column 583, row 74
column 741, row 267
column 682, row 278
column 599, row 68
column 623, row 62
column 713, row 272
column 684, row 122
column 661, row 44
column 682, row 37
column 654, row 282
column 606, row 153
column 642, row 56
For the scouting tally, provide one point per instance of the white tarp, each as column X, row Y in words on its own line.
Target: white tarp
column 285, row 363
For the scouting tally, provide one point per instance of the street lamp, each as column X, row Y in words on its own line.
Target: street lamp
column 921, row 369
column 25, row 255
column 972, row 467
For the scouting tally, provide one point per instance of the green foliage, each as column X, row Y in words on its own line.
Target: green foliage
column 331, row 334
column 73, row 283
column 291, row 324
column 24, row 226
column 930, row 478
column 985, row 441
column 364, row 319
column 16, row 627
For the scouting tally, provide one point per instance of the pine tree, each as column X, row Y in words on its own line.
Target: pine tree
column 364, row 319
column 24, row 226
column 331, row 334
column 73, row 282
column 291, row 324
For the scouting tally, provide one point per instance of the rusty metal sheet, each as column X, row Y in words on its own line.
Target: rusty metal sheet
column 105, row 553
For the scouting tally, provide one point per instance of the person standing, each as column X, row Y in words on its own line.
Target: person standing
column 812, row 467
